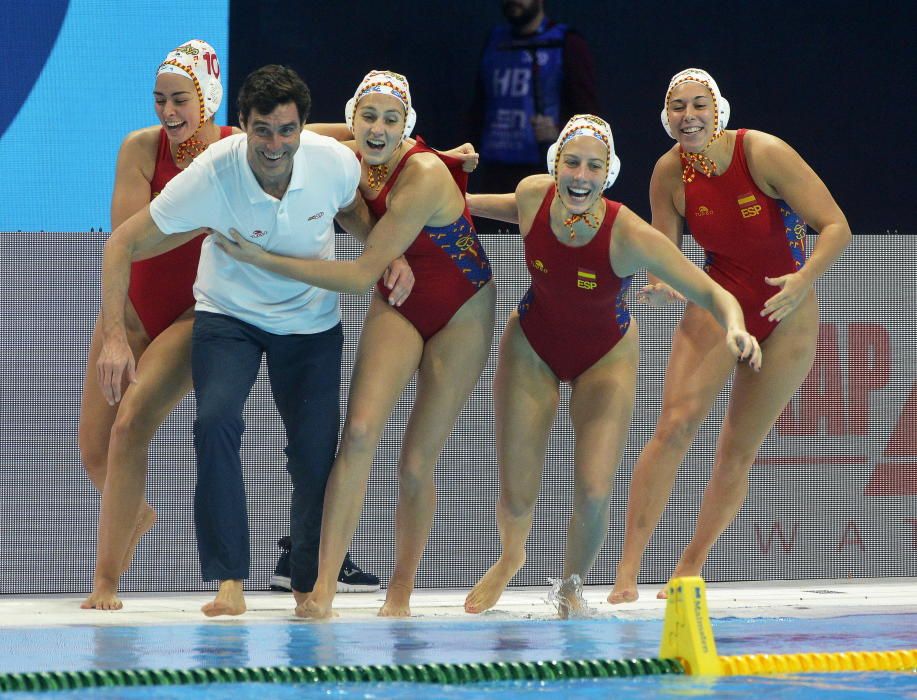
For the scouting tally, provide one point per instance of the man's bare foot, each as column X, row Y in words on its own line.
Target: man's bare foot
column 488, row 590
column 624, row 591
column 229, row 600
column 397, row 601
column 311, row 609
column 391, row 609
column 663, row 593
column 627, row 595
column 301, row 597
column 103, row 598
column 145, row 523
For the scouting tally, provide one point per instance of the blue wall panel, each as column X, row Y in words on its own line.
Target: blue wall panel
column 77, row 77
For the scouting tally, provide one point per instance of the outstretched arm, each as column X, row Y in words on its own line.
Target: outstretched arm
column 339, row 132
column 358, row 221
column 500, row 207
column 636, row 244
column 414, row 202
column 465, row 153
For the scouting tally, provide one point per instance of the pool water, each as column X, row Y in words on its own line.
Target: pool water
column 379, row 641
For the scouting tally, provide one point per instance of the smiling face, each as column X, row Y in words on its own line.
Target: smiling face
column 581, row 171
column 692, row 117
column 177, row 106
column 378, row 127
column 272, row 142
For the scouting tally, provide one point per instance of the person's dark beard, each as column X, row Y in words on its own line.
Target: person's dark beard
column 523, row 16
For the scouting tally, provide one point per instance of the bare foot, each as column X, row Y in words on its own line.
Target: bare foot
column 681, row 569
column 397, row 601
column 144, row 524
column 488, row 590
column 311, row 609
column 102, row 599
column 566, row 595
column 625, row 591
column 229, row 600
column 570, row 606
column 627, row 595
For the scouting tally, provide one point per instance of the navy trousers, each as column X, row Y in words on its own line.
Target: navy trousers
column 305, row 376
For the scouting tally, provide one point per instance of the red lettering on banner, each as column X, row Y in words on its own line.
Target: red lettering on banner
column 821, row 395
column 822, row 407
column 851, row 536
column 903, row 442
column 896, row 474
column 913, row 524
column 869, row 360
column 776, row 532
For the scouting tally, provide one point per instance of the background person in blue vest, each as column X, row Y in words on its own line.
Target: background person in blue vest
column 535, row 74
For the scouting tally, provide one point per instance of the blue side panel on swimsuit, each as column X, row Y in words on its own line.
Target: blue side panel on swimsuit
column 795, row 229
column 708, row 262
column 622, row 315
column 460, row 243
column 526, row 302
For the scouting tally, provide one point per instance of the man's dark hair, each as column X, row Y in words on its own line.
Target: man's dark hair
column 270, row 86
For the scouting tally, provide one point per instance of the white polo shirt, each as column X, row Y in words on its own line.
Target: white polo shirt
column 219, row 190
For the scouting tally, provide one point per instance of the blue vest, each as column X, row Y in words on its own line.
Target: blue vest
column 512, row 97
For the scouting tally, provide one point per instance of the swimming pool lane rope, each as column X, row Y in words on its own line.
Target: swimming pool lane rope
column 443, row 673
column 687, row 635
column 757, row 664
column 687, row 647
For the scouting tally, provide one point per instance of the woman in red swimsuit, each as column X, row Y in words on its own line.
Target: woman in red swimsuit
column 745, row 196
column 573, row 325
column 442, row 331
column 159, row 313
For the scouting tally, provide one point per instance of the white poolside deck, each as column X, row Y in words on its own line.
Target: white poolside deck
column 816, row 598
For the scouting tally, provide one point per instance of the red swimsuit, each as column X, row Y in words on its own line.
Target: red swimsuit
column 161, row 288
column 746, row 234
column 574, row 313
column 448, row 262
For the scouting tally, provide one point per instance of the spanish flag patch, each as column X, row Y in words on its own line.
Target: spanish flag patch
column 586, row 279
column 746, row 199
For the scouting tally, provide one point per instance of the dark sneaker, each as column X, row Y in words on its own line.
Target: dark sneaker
column 280, row 581
column 352, row 579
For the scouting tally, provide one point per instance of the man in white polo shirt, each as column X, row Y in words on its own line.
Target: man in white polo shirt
column 282, row 188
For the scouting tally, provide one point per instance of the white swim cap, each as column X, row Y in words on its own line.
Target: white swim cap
column 587, row 125
column 720, row 103
column 387, row 83
column 197, row 60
